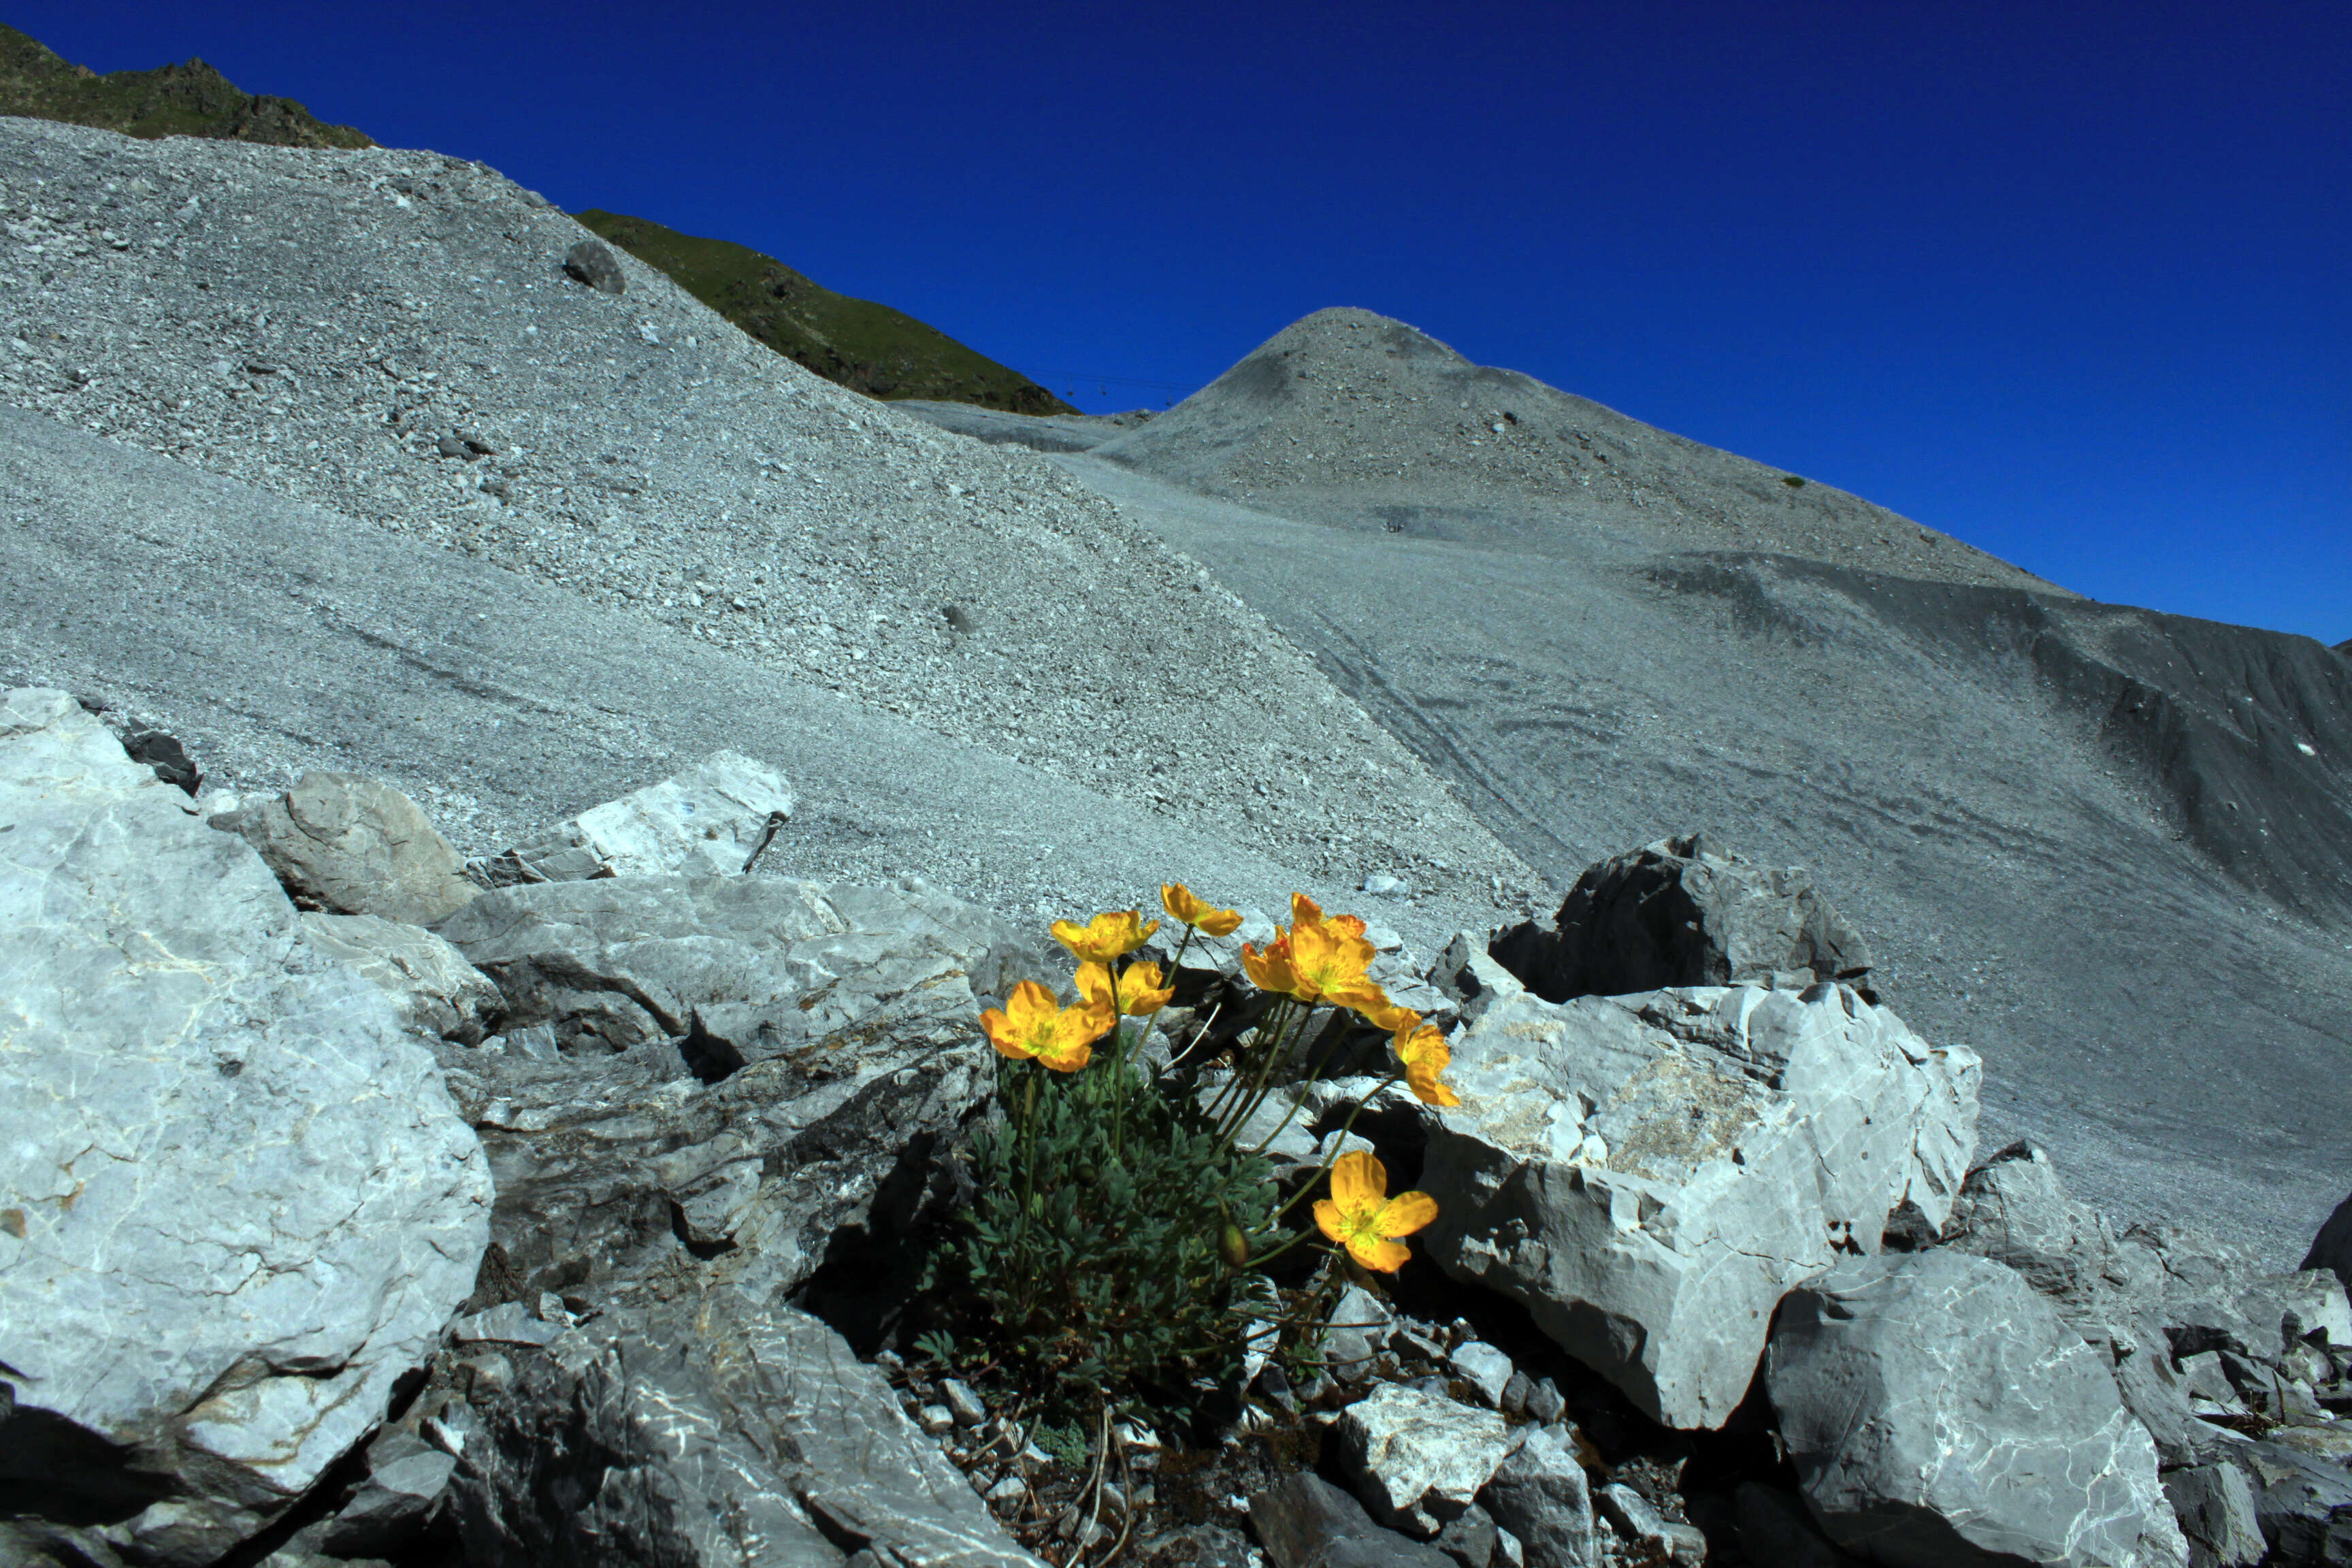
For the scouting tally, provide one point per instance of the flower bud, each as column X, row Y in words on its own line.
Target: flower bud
column 1234, row 1246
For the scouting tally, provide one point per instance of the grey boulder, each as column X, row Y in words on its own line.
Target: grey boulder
column 592, row 263
column 1419, row 1459
column 1939, row 1412
column 2303, row 1505
column 241, row 1205
column 1540, row 1495
column 2215, row 1507
column 710, row 818
column 1304, row 1522
column 436, row 990
column 354, row 846
column 2014, row 1210
column 1649, row 1175
column 704, row 1430
column 752, row 967
column 1681, row 911
column 851, row 1057
column 2332, row 1248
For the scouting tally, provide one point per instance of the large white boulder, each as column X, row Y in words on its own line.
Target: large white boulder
column 1649, row 1175
column 238, row 1203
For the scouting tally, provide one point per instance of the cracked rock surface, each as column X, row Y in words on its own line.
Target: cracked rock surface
column 1940, row 1412
column 220, row 1145
column 1650, row 1174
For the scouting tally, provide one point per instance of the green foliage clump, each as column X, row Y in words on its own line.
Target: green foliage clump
column 1095, row 1255
column 857, row 343
column 190, row 100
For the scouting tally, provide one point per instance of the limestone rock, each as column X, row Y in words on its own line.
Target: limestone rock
column 2303, row 1505
column 750, row 967
column 2014, row 1210
column 239, row 1202
column 1419, row 1459
column 407, row 1479
column 1683, row 912
column 1939, row 1412
column 853, row 1058
column 434, row 989
column 708, row 1430
column 1308, row 1522
column 1649, row 1175
column 2216, row 1510
column 1540, row 1495
column 708, row 819
column 354, row 846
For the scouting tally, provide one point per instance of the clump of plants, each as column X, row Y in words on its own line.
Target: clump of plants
column 1116, row 1256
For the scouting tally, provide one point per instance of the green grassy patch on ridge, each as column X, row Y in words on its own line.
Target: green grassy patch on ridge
column 192, row 99
column 857, row 343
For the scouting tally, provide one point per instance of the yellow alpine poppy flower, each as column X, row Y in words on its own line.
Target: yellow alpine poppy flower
column 1328, row 964
column 1363, row 1218
column 1270, row 970
column 1138, row 992
column 1032, row 1024
column 1398, row 1021
column 1426, row 1054
column 1182, row 904
column 1105, row 937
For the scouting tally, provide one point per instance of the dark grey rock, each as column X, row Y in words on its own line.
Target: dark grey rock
column 166, row 756
column 1682, row 913
column 2332, row 1248
column 1776, row 1530
column 1541, row 1496
column 1468, row 1538
column 407, row 1479
column 705, row 1430
column 450, row 447
column 2215, row 1506
column 2303, row 1505
column 1939, row 1412
column 1199, row 1546
column 592, row 263
column 1304, row 1522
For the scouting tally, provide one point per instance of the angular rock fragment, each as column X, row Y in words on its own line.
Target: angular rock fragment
column 2215, row 1507
column 1419, row 1459
column 239, row 1204
column 708, row 819
column 765, row 964
column 1939, row 1412
column 436, row 990
column 1649, row 1175
column 592, row 263
column 354, row 846
column 1308, row 1522
column 851, row 1011
column 706, row 1430
column 1540, row 1495
column 1683, row 912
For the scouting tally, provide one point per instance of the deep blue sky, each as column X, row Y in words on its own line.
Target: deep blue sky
column 2071, row 281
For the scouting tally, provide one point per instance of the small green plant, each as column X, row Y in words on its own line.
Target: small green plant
column 1115, row 1253
column 1792, row 481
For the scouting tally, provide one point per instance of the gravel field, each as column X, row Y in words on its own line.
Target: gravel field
column 322, row 325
